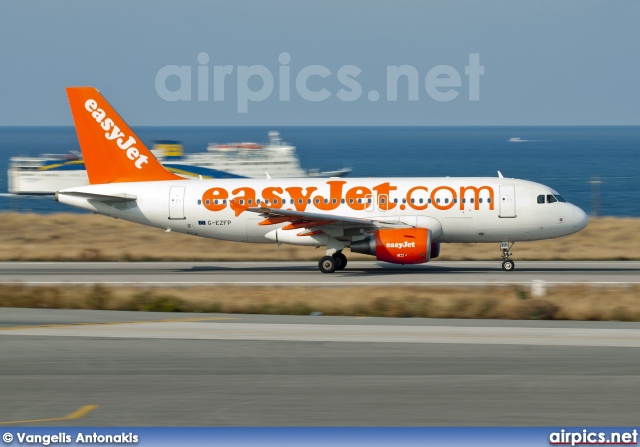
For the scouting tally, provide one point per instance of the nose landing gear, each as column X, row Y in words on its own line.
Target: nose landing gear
column 507, row 264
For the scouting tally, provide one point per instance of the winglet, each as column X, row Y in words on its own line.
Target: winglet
column 112, row 152
column 237, row 207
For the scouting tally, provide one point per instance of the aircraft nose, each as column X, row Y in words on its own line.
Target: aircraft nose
column 580, row 219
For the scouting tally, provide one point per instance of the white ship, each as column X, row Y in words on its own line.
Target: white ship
column 49, row 173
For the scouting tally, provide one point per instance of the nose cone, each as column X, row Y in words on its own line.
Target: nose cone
column 579, row 219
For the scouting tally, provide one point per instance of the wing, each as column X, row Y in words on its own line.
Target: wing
column 304, row 216
column 330, row 224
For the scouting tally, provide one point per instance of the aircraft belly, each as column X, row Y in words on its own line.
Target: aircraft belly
column 498, row 234
column 458, row 229
column 256, row 232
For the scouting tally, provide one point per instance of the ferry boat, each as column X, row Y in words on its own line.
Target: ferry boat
column 49, row 173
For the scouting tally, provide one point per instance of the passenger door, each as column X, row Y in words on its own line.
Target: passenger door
column 176, row 203
column 507, row 201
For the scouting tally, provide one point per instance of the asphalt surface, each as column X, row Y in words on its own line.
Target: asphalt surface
column 306, row 273
column 250, row 370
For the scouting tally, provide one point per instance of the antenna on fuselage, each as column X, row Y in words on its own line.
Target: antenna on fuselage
column 500, row 175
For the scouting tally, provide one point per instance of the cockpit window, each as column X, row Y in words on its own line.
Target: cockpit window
column 550, row 198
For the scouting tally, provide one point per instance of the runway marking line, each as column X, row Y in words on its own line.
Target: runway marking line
column 77, row 414
column 377, row 283
column 107, row 323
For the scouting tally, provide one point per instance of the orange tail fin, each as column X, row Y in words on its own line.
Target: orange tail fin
column 112, row 152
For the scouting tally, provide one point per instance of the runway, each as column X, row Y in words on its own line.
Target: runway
column 306, row 273
column 96, row 368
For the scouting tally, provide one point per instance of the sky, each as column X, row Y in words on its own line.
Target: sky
column 335, row 62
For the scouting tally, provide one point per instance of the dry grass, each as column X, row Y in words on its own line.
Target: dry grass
column 84, row 237
column 561, row 303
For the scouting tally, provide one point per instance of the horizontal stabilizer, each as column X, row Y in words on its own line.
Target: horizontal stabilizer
column 114, row 198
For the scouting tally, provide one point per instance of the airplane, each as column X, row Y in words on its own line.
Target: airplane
column 397, row 220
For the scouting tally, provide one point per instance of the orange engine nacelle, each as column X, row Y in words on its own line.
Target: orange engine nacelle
column 402, row 246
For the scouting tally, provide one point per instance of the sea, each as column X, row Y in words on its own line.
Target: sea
column 596, row 168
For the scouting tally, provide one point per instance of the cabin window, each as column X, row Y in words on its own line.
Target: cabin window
column 382, row 200
column 541, row 199
column 275, row 201
column 464, row 200
column 241, row 202
column 342, row 201
column 395, row 200
column 421, row 200
column 429, row 201
column 437, row 200
column 199, row 202
column 489, row 200
column 446, row 200
column 317, row 201
column 258, row 201
column 404, row 200
column 300, row 201
column 326, row 201
column 215, row 202
column 471, row 200
column 359, row 200
column 250, row 202
column 369, row 201
column 551, row 199
column 455, row 200
column 308, row 201
column 224, row 202
column 350, row 200
column 413, row 200
column 480, row 200
column 208, row 202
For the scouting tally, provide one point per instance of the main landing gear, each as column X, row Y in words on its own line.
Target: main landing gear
column 507, row 264
column 329, row 264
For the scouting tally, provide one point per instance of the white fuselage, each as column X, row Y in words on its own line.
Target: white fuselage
column 454, row 209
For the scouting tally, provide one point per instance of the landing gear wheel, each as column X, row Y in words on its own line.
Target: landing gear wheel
column 342, row 260
column 508, row 265
column 328, row 264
